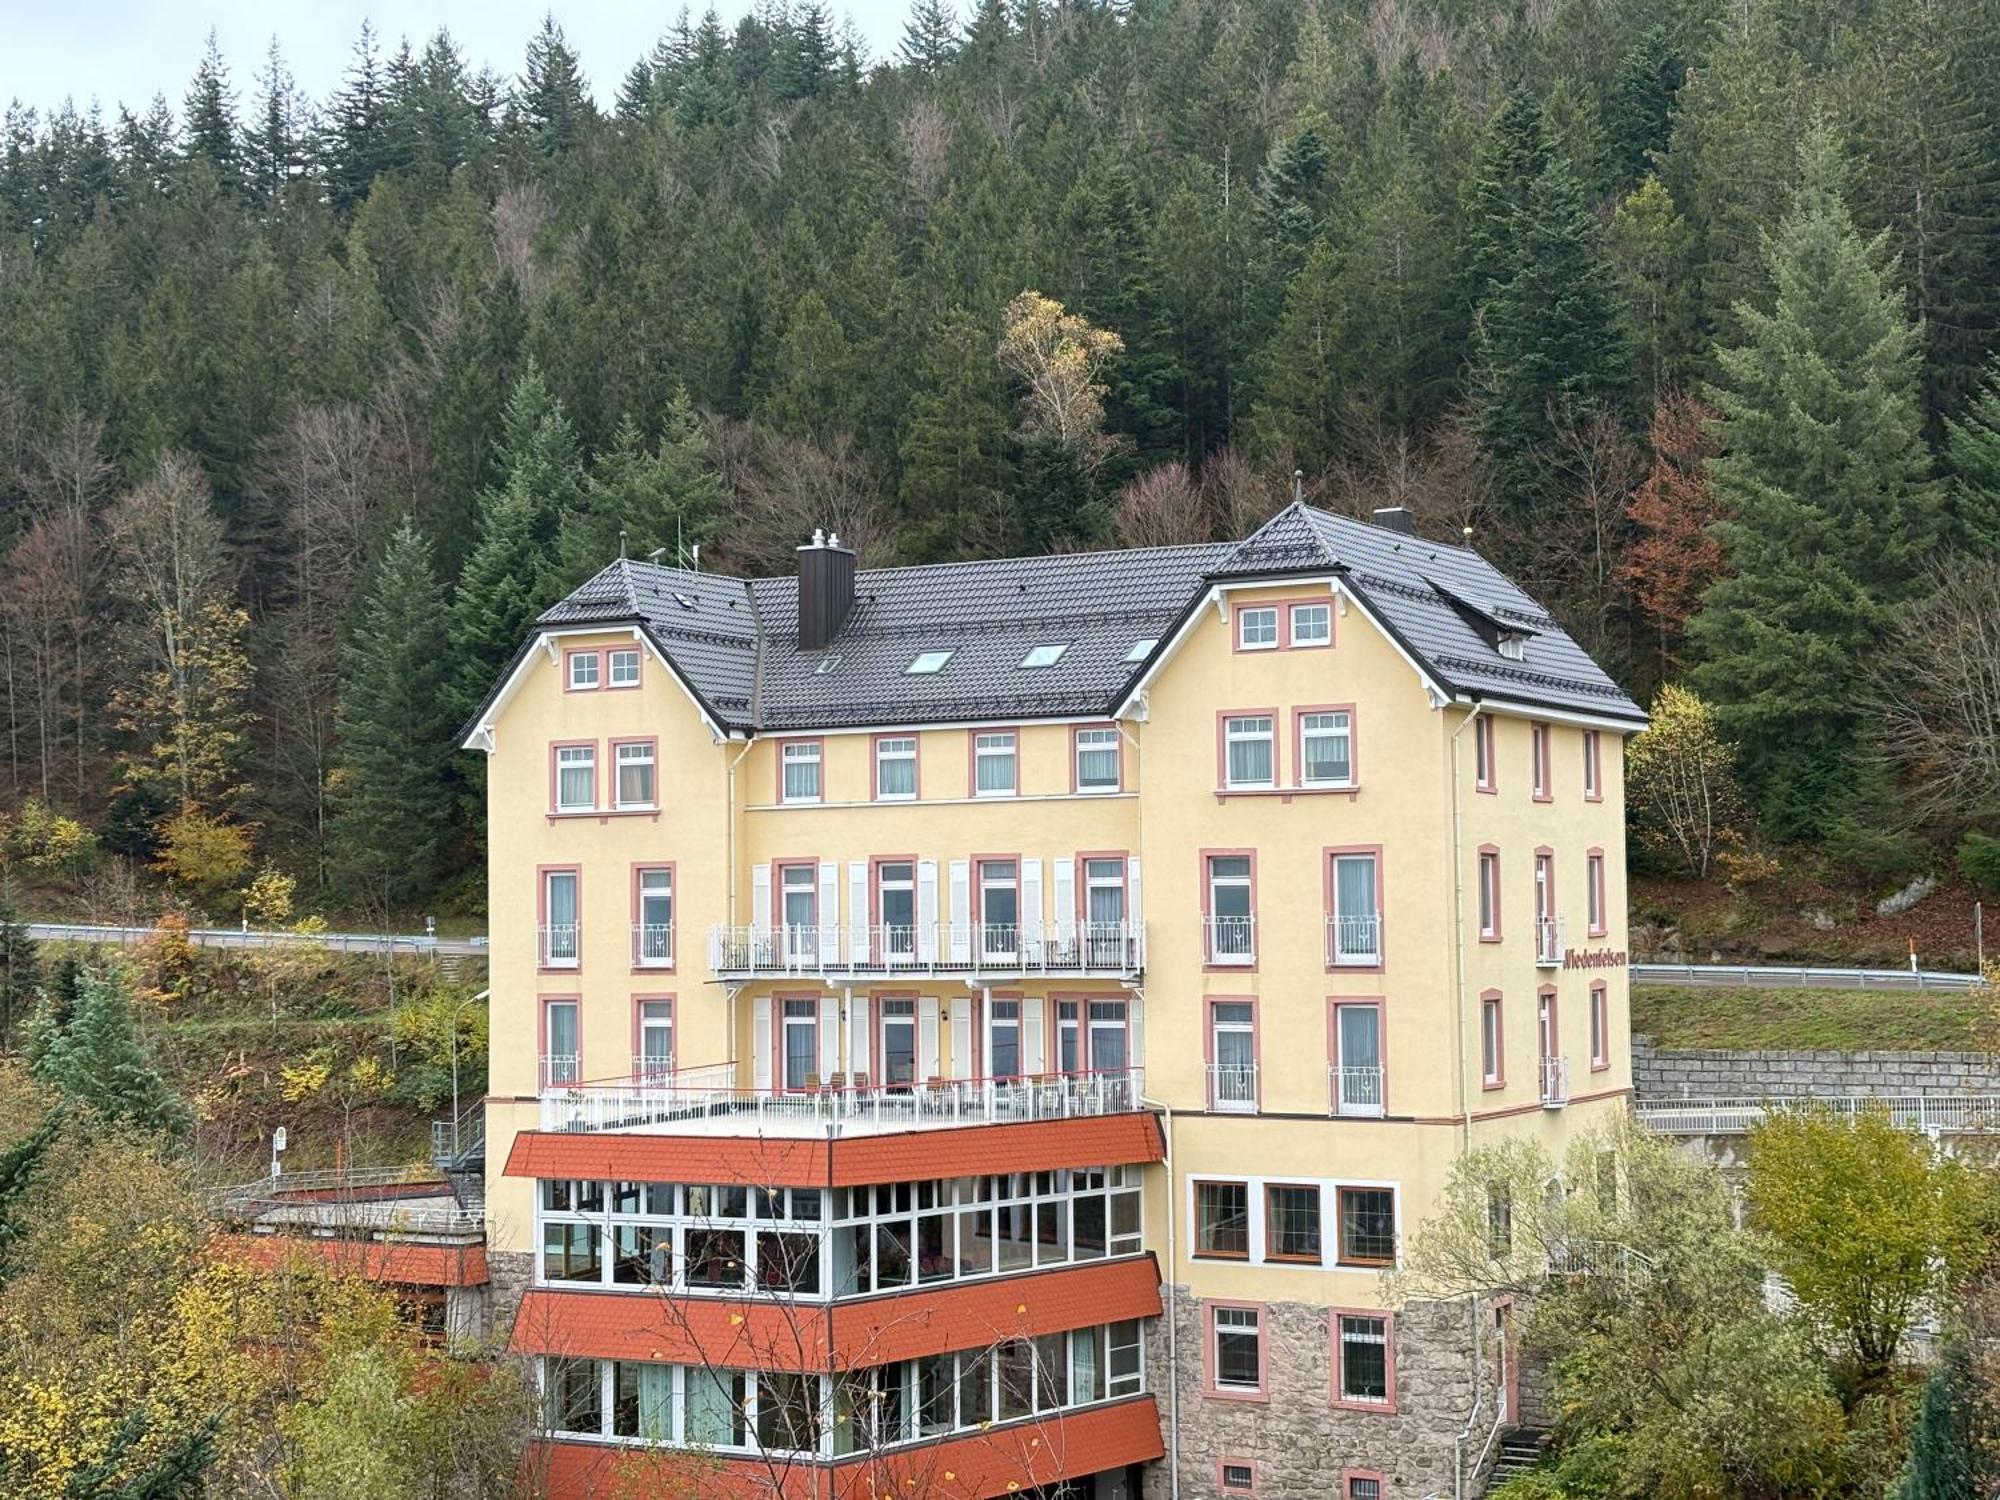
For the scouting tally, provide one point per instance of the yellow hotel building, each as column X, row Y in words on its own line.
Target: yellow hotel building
column 985, row 1029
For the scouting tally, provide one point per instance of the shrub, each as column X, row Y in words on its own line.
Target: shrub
column 1979, row 860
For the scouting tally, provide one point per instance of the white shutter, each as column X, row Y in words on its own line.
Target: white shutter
column 1031, row 914
column 1065, row 892
column 760, row 1043
column 961, row 1036
column 760, row 898
column 961, row 912
column 927, row 1038
column 829, row 912
column 829, row 1038
column 857, row 1035
column 927, row 912
column 857, row 911
column 1135, row 1035
column 1033, row 1037
column 1135, row 909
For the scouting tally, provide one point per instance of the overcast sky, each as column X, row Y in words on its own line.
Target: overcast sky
column 129, row 50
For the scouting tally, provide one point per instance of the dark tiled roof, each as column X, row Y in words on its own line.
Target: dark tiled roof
column 735, row 642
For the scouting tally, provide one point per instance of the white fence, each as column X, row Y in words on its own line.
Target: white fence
column 1944, row 1114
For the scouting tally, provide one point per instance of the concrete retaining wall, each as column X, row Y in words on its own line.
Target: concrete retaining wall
column 1710, row 1073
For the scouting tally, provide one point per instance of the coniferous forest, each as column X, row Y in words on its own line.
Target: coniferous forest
column 1684, row 309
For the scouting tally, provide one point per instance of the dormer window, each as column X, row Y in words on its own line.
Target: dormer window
column 927, row 664
column 1044, row 656
column 1514, row 647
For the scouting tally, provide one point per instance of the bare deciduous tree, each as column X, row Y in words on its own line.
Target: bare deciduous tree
column 1162, row 507
column 1935, row 694
column 786, row 488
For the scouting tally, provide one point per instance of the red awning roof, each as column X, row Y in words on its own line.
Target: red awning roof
column 398, row 1261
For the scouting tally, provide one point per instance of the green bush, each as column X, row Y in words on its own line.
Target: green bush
column 1979, row 859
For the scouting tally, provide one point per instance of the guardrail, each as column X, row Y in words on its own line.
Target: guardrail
column 1804, row 978
column 238, row 937
column 1946, row 1114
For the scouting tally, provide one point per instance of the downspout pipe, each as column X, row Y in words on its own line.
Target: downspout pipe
column 1461, row 1095
column 1172, row 1306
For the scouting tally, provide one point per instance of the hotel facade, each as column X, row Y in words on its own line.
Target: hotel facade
column 987, row 1029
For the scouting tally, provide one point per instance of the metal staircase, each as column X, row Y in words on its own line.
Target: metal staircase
column 458, row 1150
column 1520, row 1451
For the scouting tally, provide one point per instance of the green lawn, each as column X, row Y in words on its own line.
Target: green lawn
column 1835, row 1020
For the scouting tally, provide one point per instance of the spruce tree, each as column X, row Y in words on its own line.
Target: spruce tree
column 1639, row 119
column 1972, row 453
column 1824, row 479
column 1055, row 504
column 954, row 451
column 1513, row 157
column 95, row 1060
column 274, row 145
column 210, row 111
column 931, row 36
column 644, row 500
column 1298, row 401
column 1945, row 1461
column 20, row 967
column 354, row 147
column 554, row 99
column 395, row 725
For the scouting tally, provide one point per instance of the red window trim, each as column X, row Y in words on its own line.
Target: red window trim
column 1222, row 718
column 1327, row 855
column 640, row 1000
column 1388, row 1320
column 1486, row 766
column 1353, row 783
column 542, row 874
column 1541, row 785
column 1600, row 1014
column 1377, row 1003
column 778, row 755
column 1491, row 934
column 1224, row 1487
column 1075, row 788
column 542, row 1004
column 569, row 655
column 1208, row 1004
column 1209, row 1362
column 1283, row 605
column 1209, row 966
column 1497, row 1079
column 611, row 766
column 556, row 809
column 639, row 868
column 1594, row 891
column 1593, row 762
column 972, row 735
column 875, row 767
column 778, row 868
column 623, row 687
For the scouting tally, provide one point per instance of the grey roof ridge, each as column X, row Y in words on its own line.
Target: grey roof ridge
column 757, row 657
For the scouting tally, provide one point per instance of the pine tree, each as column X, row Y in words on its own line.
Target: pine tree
column 210, row 110
column 395, row 725
column 931, row 36
column 20, row 968
column 1945, row 1461
column 179, row 1471
column 554, row 98
column 1825, row 480
column 641, row 501
column 1972, row 454
column 95, row 1059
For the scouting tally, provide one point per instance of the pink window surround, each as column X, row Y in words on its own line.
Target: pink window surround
column 1208, row 1357
column 875, row 767
column 778, row 868
column 1086, row 1052
column 1334, row 1315
column 1490, row 932
column 542, row 1026
column 1548, row 1042
column 1539, row 736
column 1353, row 782
column 1485, row 760
column 878, row 1030
column 1284, row 641
column 1222, row 718
column 1329, row 893
column 556, row 809
column 982, row 1026
column 1208, row 1006
column 569, row 679
column 1348, row 1476
column 1337, row 1003
column 1593, row 765
column 611, row 770
column 1208, row 965
column 978, row 863
column 542, row 874
column 644, row 867
column 1496, row 1077
column 623, row 687
column 778, row 791
column 639, row 1004
column 779, row 1000
column 1082, row 881
column 1545, row 897
column 1118, row 744
column 1224, row 1487
column 603, row 772
column 875, row 923
column 972, row 762
column 1600, row 1026
column 1594, row 872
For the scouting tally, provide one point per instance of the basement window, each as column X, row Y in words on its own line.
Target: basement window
column 1044, row 656
column 927, row 663
column 1141, row 650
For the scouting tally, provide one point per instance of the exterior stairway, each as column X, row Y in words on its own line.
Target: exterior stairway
column 1520, row 1451
column 458, row 1150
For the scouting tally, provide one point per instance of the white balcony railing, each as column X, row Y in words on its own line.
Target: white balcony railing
column 1230, row 940
column 707, row 1099
column 1116, row 948
column 1232, row 1088
column 1354, row 939
column 1354, row 1091
column 652, row 1069
column 1555, row 1082
column 652, row 945
column 557, row 946
column 1548, row 942
column 559, row 1069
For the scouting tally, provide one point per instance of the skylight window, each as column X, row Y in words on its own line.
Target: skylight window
column 827, row 663
column 927, row 663
column 1141, row 650
column 1044, row 656
column 685, row 601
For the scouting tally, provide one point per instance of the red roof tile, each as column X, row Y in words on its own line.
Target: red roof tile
column 900, row 1156
column 397, row 1261
column 873, row 1331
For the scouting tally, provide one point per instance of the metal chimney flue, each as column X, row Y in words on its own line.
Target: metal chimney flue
column 1396, row 518
column 826, row 590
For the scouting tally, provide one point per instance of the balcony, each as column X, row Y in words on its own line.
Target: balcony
column 1548, row 942
column 1232, row 1088
column 651, row 1069
column 1086, row 950
column 555, row 947
column 559, row 1069
column 1230, row 942
column 652, row 945
column 703, row 1100
column 1555, row 1082
column 1354, row 1092
column 1354, row 941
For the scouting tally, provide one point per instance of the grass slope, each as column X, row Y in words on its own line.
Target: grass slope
column 1833, row 1020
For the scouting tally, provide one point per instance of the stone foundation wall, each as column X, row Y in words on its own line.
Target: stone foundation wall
column 510, row 1273
column 1300, row 1442
column 1708, row 1073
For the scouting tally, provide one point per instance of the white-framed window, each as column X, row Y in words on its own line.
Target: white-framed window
column 1600, row 1028
column 1045, row 656
column 1593, row 765
column 896, row 768
column 896, row 905
column 1232, row 1050
column 999, row 909
column 899, row 1040
column 1357, row 918
column 802, row 765
column 1003, row 1039
column 1326, row 749
column 636, row 784
column 1249, row 751
column 1594, row 892
column 995, row 768
column 655, row 939
column 1491, row 1059
column 1489, row 894
column 576, row 778
column 656, row 1038
column 1312, row 624
column 1257, row 628
column 1097, row 760
column 583, row 670
column 801, row 1044
column 798, row 909
column 624, row 666
column 559, row 1043
column 1538, row 748
column 560, row 949
column 927, row 663
column 1364, row 1359
column 1482, row 751
column 1232, row 922
column 1357, row 1032
column 1238, row 1353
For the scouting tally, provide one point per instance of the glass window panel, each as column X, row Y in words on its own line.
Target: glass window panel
column 1291, row 1216
column 1364, row 1359
column 572, row 1252
column 1238, row 1335
column 642, row 1254
column 715, row 1408
column 1367, row 1226
column 1222, row 1218
column 644, row 1406
column 575, row 1393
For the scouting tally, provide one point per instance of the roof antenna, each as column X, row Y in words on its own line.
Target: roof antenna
column 655, row 555
column 1298, row 486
